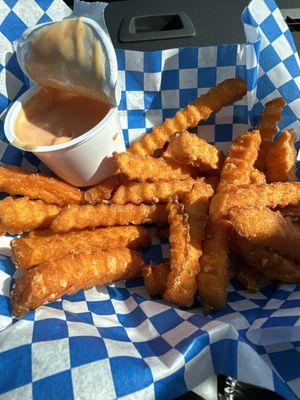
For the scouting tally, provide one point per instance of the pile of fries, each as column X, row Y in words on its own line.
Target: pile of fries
column 220, row 214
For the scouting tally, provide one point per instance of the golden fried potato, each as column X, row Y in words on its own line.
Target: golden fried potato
column 281, row 159
column 213, row 277
column 223, row 94
column 24, row 215
column 188, row 148
column 155, row 277
column 151, row 192
column 268, row 128
column 42, row 246
column 267, row 229
column 52, row 279
column 14, row 180
column 88, row 216
column 146, row 168
column 266, row 195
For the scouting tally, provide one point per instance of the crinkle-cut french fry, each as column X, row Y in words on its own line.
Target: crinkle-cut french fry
column 257, row 177
column 146, row 168
column 15, row 181
column 188, row 148
column 187, row 231
column 213, row 277
column 268, row 128
column 42, row 246
column 281, row 159
column 181, row 284
column 196, row 204
column 267, row 228
column 240, row 160
column 222, row 95
column 23, row 215
column 266, row 195
column 272, row 265
column 88, row 216
column 155, row 277
column 249, row 276
column 151, row 192
column 104, row 190
column 52, row 279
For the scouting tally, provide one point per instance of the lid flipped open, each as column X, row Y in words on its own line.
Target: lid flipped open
column 74, row 55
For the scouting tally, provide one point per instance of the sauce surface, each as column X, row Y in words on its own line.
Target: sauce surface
column 51, row 117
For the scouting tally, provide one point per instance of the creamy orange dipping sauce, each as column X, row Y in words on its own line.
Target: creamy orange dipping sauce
column 51, row 117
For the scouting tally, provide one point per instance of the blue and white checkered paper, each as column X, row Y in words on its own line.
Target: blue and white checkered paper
column 116, row 342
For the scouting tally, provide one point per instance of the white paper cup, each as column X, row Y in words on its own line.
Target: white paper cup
column 83, row 161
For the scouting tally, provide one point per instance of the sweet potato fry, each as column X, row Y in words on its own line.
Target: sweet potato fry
column 188, row 148
column 155, row 277
column 257, row 177
column 151, row 192
column 145, row 168
column 267, row 229
column 266, row 195
column 248, row 276
column 42, row 246
column 23, row 215
column 272, row 265
column 187, row 231
column 268, row 128
column 103, row 192
column 88, row 216
column 213, row 277
column 52, row 279
column 281, row 159
column 222, row 95
column 238, row 165
column 14, row 180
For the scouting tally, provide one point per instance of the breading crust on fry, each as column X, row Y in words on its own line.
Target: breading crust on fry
column 155, row 277
column 188, row 148
column 214, row 266
column 103, row 192
column 268, row 229
column 281, row 159
column 249, row 276
column 88, row 216
column 15, row 181
column 268, row 128
column 240, row 160
column 151, row 192
column 271, row 264
column 257, row 177
column 52, row 279
column 222, row 95
column 146, row 168
column 181, row 284
column 24, row 215
column 266, row 195
column 42, row 246
column 187, row 231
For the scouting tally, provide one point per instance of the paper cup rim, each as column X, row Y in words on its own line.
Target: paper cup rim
column 16, row 107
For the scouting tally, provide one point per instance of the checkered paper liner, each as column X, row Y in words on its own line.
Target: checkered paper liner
column 116, row 342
